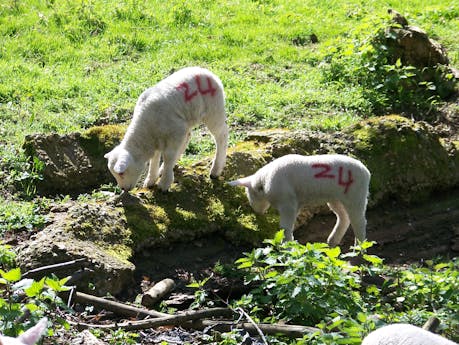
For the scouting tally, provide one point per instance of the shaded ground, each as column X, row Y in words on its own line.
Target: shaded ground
column 404, row 234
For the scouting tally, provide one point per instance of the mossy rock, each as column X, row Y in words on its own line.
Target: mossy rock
column 196, row 206
column 73, row 163
column 406, row 158
column 96, row 232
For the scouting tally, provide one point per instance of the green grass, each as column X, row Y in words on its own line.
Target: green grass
column 68, row 64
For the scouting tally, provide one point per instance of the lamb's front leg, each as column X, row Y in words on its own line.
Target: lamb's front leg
column 288, row 215
column 153, row 170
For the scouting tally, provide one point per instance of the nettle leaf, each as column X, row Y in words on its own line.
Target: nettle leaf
column 278, row 237
column 35, row 289
column 373, row 259
column 10, row 276
column 333, row 252
column 56, row 284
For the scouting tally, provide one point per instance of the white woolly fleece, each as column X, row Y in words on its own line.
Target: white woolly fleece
column 294, row 181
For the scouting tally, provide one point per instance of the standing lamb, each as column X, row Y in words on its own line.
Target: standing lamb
column 29, row 337
column 294, row 181
column 404, row 334
column 161, row 128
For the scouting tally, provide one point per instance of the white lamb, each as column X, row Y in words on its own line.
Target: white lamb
column 29, row 337
column 294, row 181
column 161, row 127
column 404, row 334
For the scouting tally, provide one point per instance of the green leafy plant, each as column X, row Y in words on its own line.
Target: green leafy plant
column 315, row 285
column 300, row 283
column 21, row 215
column 26, row 296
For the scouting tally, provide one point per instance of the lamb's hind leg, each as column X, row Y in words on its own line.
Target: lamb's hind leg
column 219, row 131
column 356, row 213
column 342, row 223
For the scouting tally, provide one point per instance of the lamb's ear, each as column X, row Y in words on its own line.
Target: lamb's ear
column 244, row 182
column 32, row 335
column 107, row 155
column 124, row 159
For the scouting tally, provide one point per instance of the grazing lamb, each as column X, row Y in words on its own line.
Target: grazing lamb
column 29, row 337
column 294, row 181
column 161, row 128
column 404, row 334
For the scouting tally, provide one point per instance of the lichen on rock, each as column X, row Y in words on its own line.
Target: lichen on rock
column 96, row 232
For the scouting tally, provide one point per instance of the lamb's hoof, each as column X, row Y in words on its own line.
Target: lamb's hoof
column 163, row 189
column 148, row 185
column 214, row 177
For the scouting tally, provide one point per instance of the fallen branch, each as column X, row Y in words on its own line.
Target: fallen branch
column 42, row 271
column 170, row 320
column 116, row 307
column 291, row 331
column 158, row 291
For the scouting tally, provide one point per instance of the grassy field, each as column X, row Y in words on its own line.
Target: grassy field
column 66, row 65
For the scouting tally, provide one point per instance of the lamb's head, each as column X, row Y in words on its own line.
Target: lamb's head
column 254, row 189
column 124, row 167
column 29, row 337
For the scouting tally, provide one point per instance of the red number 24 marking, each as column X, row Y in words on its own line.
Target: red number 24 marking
column 325, row 172
column 190, row 95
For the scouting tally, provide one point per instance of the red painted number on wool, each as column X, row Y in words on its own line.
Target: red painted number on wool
column 205, row 89
column 326, row 171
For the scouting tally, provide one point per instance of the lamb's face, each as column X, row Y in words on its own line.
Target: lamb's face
column 257, row 198
column 255, row 192
column 124, row 168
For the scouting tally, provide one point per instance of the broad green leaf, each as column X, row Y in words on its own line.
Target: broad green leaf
column 375, row 260
column 13, row 275
column 35, row 289
column 279, row 237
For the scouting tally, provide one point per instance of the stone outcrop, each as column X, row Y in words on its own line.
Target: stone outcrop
column 408, row 161
column 412, row 45
column 72, row 163
column 95, row 232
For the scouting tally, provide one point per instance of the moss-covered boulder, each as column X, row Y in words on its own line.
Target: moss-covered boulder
column 197, row 205
column 407, row 159
column 73, row 163
column 96, row 232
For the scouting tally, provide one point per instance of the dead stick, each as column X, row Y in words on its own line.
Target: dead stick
column 53, row 268
column 170, row 320
column 291, row 331
column 259, row 331
column 116, row 307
